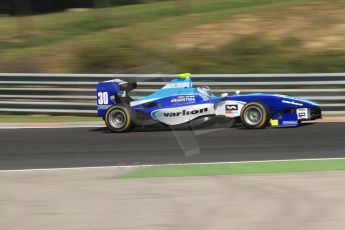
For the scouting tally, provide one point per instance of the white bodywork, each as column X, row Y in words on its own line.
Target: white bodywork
column 303, row 113
column 183, row 114
column 229, row 108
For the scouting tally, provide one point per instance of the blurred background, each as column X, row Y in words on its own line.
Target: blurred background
column 167, row 36
column 198, row 36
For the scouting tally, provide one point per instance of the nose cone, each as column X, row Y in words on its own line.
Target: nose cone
column 314, row 108
column 308, row 102
column 298, row 101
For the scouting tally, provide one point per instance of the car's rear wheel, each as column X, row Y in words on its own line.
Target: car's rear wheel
column 118, row 118
column 254, row 115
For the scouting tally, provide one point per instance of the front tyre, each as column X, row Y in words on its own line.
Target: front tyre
column 118, row 118
column 254, row 115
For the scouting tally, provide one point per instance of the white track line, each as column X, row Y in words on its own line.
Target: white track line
column 164, row 165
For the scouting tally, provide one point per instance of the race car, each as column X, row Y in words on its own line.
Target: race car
column 178, row 103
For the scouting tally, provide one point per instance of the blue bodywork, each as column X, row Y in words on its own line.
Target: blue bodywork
column 179, row 93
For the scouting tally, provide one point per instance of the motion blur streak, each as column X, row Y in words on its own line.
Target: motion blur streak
column 199, row 36
column 55, row 200
column 60, row 148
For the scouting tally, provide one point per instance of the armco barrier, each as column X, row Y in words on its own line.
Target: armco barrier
column 75, row 93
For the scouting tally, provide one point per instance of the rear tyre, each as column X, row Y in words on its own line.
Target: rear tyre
column 254, row 115
column 118, row 118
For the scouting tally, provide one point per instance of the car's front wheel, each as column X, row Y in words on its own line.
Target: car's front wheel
column 118, row 118
column 254, row 115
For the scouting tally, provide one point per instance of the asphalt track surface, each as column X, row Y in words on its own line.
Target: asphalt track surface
column 89, row 147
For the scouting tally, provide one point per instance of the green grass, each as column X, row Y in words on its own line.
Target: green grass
column 44, row 118
column 57, row 27
column 237, row 168
column 119, row 38
column 258, row 55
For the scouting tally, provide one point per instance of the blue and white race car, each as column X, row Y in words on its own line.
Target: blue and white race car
column 179, row 103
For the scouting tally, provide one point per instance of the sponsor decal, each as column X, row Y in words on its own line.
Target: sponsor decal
column 185, row 112
column 121, row 93
column 230, row 108
column 103, row 106
column 179, row 115
column 301, row 114
column 179, row 99
column 299, row 99
column 290, row 122
column 292, row 103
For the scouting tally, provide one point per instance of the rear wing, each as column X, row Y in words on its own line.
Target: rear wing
column 113, row 92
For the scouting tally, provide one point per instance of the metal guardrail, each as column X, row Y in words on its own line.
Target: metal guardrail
column 26, row 93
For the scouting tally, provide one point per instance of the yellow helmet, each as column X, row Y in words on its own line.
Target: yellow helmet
column 184, row 75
